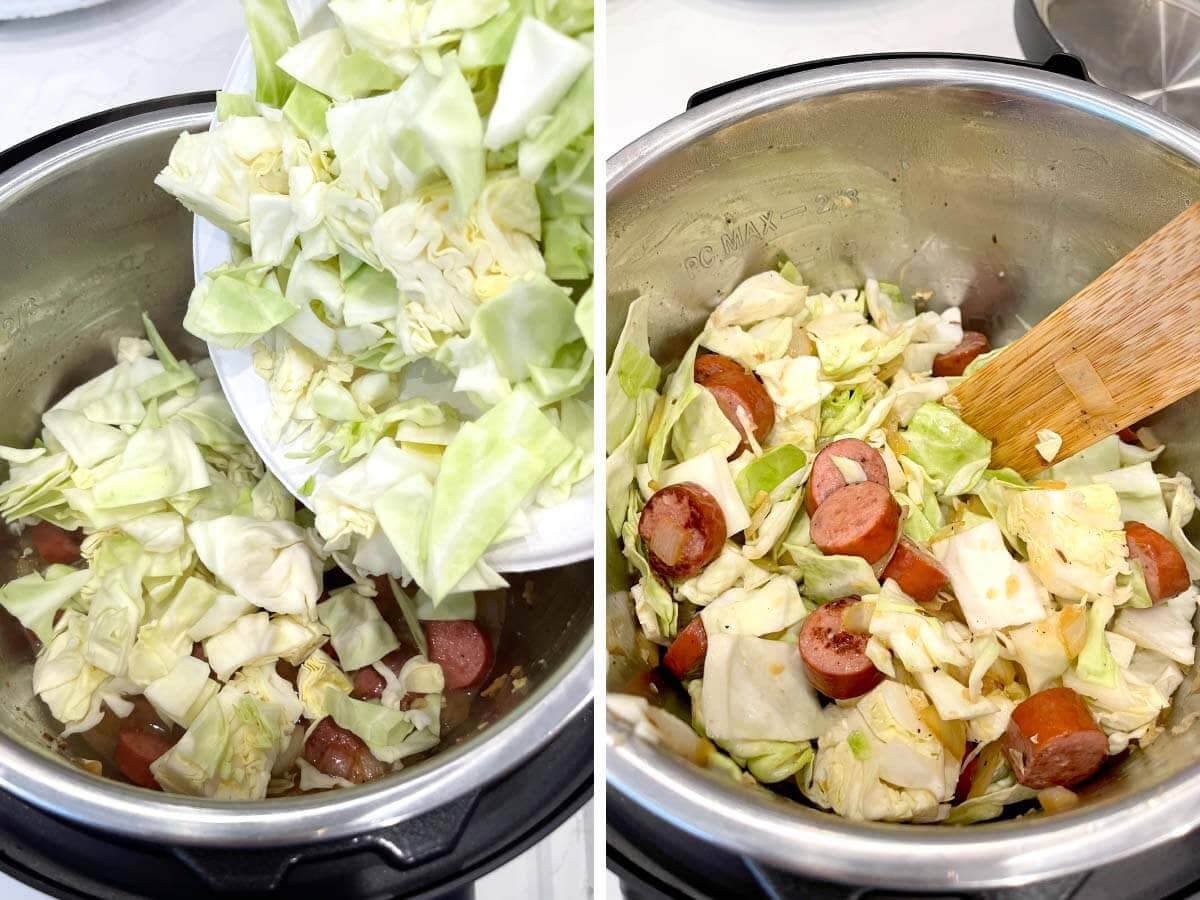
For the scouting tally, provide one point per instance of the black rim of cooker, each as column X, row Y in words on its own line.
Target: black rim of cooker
column 437, row 854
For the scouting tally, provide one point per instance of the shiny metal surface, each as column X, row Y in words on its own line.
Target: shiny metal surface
column 1002, row 189
column 86, row 243
column 1148, row 49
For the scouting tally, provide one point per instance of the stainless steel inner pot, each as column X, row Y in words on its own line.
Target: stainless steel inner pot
column 87, row 243
column 1004, row 189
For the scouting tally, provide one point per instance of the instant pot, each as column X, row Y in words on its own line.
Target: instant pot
column 88, row 243
column 1003, row 187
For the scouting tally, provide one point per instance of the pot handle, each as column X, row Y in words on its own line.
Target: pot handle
column 407, row 844
column 1059, row 63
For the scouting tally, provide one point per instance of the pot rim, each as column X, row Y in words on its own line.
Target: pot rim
column 791, row 836
column 47, row 781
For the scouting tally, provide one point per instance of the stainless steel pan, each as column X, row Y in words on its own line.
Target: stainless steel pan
column 1004, row 189
column 87, row 242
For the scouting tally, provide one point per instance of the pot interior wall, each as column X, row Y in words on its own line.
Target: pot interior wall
column 87, row 246
column 999, row 202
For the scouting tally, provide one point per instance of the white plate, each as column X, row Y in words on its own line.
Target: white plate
column 558, row 535
column 36, row 9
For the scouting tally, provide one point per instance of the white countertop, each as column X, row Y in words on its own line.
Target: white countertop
column 660, row 52
column 57, row 69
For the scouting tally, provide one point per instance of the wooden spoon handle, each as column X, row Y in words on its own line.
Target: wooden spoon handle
column 1124, row 347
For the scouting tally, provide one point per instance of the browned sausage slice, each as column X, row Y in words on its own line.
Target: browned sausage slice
column 137, row 748
column 683, row 529
column 916, row 572
column 710, row 364
column 859, row 520
column 741, row 390
column 54, row 544
column 1165, row 571
column 835, row 659
column 1052, row 739
column 826, row 477
column 369, row 684
column 955, row 360
column 341, row 753
column 685, row 656
column 462, row 650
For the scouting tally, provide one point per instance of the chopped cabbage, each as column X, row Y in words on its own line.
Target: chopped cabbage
column 993, row 589
column 756, row 689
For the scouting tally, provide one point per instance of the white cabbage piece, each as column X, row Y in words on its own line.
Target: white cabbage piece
column 318, row 674
column 731, row 569
column 767, row 295
column 879, row 761
column 830, row 577
column 1102, row 456
column 1182, row 508
column 1140, row 495
column 271, row 564
column 180, row 694
column 951, row 698
column 1048, row 444
column 632, row 372
column 63, row 678
column 770, row 608
column 1074, row 538
column 950, row 451
column 357, row 630
column 920, row 641
column 1039, row 649
column 993, row 589
column 756, row 689
column 711, row 471
column 35, row 598
column 390, row 734
column 1165, row 628
column 541, row 67
column 214, row 173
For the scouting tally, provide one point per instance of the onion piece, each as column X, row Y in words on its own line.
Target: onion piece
column 669, row 541
column 1072, row 629
column 856, row 618
column 1057, row 799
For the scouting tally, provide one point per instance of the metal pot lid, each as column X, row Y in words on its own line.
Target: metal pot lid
column 1147, row 49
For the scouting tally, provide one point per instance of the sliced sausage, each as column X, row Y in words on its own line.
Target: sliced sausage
column 826, row 477
column 368, row 684
column 709, row 364
column 954, row 361
column 966, row 775
column 1129, row 436
column 859, row 520
column 835, row 659
column 683, row 529
column 462, row 650
column 340, row 753
column 741, row 390
column 1165, row 571
column 916, row 572
column 685, row 656
column 56, row 545
column 137, row 748
column 1052, row 739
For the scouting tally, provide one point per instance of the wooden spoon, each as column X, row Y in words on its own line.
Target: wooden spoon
column 1124, row 347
